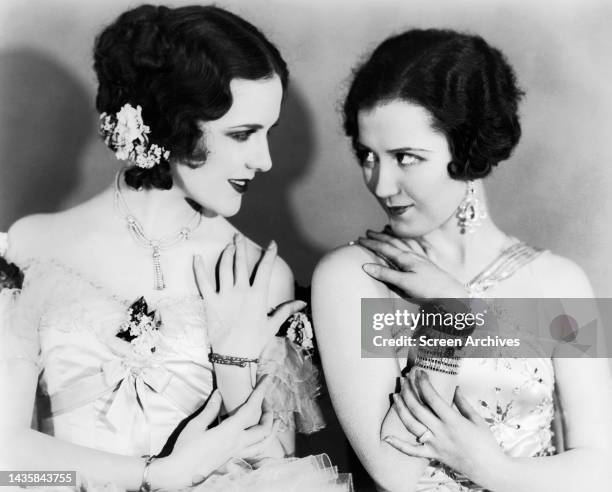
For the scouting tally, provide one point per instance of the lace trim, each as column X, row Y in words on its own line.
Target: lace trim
column 73, row 272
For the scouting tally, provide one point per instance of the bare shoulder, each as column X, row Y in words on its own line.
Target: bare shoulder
column 341, row 269
column 561, row 277
column 27, row 235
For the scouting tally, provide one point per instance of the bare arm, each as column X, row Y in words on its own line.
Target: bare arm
column 235, row 383
column 359, row 388
column 584, row 387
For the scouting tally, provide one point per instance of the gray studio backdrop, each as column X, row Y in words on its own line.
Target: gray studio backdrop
column 553, row 193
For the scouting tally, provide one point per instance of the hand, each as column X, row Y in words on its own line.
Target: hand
column 460, row 439
column 198, row 451
column 411, row 271
column 238, row 319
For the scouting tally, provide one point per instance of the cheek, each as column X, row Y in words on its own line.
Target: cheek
column 435, row 192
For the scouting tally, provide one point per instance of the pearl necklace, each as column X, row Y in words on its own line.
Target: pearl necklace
column 155, row 245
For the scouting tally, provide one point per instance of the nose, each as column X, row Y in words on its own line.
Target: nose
column 261, row 159
column 384, row 181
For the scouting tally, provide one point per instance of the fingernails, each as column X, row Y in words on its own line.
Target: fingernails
column 197, row 260
column 301, row 305
column 215, row 395
column 272, row 246
column 370, row 268
column 389, row 439
column 238, row 237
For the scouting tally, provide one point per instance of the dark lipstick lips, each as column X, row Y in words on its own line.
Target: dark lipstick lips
column 240, row 185
column 397, row 211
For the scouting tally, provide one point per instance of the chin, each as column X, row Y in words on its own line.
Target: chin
column 226, row 208
column 410, row 229
column 230, row 209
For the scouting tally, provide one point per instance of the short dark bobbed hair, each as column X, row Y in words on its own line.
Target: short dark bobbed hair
column 177, row 63
column 466, row 85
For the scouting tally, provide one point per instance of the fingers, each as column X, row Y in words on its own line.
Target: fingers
column 419, row 410
column 226, row 267
column 205, row 288
column 417, row 450
column 432, row 398
column 241, row 269
column 259, row 435
column 468, row 410
column 415, row 247
column 388, row 275
column 283, row 311
column 402, row 258
column 264, row 269
column 415, row 427
column 251, row 410
column 208, row 415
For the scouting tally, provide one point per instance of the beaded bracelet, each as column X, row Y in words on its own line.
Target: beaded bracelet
column 447, row 365
column 230, row 360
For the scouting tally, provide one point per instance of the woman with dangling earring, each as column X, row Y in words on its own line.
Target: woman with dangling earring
column 430, row 114
column 133, row 322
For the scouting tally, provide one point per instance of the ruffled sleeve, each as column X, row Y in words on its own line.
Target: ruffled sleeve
column 296, row 381
column 18, row 328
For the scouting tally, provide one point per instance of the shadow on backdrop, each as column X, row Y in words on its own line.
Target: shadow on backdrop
column 45, row 123
column 267, row 212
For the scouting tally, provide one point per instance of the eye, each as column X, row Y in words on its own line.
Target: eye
column 366, row 158
column 241, row 136
column 406, row 159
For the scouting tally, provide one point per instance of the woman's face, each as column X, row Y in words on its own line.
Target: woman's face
column 404, row 163
column 236, row 147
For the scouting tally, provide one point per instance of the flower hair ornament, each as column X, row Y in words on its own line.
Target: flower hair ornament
column 126, row 135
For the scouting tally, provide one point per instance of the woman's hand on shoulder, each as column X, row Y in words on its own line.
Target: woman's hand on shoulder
column 408, row 268
column 199, row 451
column 240, row 321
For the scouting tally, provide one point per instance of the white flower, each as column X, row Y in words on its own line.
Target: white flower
column 126, row 134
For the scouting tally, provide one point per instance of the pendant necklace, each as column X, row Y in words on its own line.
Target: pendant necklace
column 156, row 246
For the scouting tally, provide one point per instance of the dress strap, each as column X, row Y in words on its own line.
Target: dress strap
column 507, row 264
column 3, row 243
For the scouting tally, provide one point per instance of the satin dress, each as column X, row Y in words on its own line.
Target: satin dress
column 103, row 392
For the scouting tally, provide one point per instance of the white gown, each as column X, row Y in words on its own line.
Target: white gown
column 103, row 392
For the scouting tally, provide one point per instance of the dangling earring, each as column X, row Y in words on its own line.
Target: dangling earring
column 471, row 211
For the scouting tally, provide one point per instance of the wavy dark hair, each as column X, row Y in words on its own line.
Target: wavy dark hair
column 466, row 85
column 177, row 63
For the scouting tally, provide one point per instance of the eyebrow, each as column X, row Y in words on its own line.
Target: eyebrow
column 397, row 150
column 251, row 126
column 248, row 126
column 407, row 149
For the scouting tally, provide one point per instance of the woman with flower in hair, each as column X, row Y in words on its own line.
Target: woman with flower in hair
column 429, row 114
column 131, row 322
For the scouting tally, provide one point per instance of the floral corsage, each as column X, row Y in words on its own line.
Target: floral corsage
column 296, row 379
column 298, row 330
column 141, row 328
